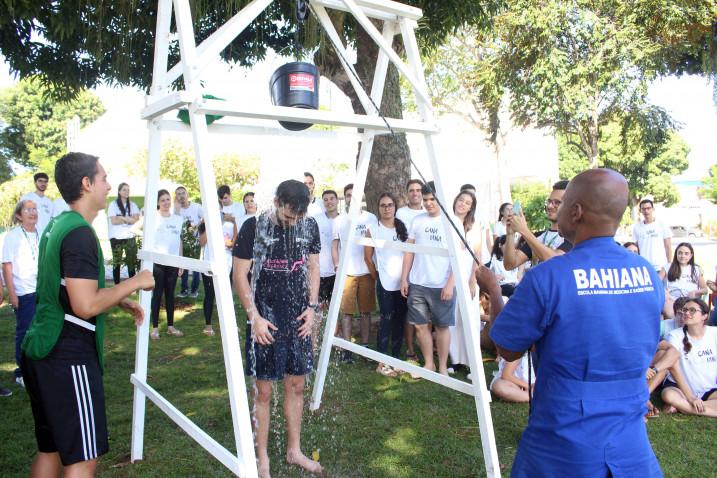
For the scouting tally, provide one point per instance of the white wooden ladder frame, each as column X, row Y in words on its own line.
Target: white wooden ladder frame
column 397, row 18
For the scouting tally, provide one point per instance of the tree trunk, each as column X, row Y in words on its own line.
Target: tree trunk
column 390, row 167
column 593, row 135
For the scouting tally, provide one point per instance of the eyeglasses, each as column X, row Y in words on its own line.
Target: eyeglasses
column 387, row 206
column 690, row 310
column 553, row 202
column 29, row 209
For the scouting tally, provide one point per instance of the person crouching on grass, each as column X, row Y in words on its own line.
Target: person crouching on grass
column 62, row 359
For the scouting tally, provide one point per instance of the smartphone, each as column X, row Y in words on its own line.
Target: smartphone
column 517, row 209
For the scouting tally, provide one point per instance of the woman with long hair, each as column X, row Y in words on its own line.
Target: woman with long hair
column 464, row 209
column 499, row 229
column 122, row 214
column 168, row 240
column 691, row 386
column 20, row 254
column 685, row 278
column 385, row 265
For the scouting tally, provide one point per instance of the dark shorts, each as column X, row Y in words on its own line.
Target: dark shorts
column 705, row 396
column 326, row 289
column 67, row 398
column 425, row 305
column 288, row 355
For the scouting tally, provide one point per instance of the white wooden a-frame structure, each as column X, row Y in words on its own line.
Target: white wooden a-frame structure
column 397, row 18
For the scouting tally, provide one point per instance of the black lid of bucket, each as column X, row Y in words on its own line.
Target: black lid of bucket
column 295, row 85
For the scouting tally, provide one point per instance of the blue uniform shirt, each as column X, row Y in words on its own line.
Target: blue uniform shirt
column 594, row 316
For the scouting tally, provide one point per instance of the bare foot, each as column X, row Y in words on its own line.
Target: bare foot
column 298, row 458
column 669, row 410
column 263, row 467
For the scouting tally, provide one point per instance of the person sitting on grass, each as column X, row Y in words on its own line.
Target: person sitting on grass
column 691, row 387
column 510, row 381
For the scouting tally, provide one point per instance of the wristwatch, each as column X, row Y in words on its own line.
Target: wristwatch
column 316, row 307
column 654, row 369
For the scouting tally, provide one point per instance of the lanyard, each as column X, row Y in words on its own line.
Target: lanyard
column 552, row 241
column 33, row 247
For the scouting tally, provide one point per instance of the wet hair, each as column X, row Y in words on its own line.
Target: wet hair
column 294, row 194
column 561, row 185
column 675, row 270
column 646, row 201
column 123, row 207
column 223, row 190
column 246, row 195
column 161, row 193
column 69, row 172
column 679, row 303
column 39, row 175
column 468, row 186
column 401, row 230
column 470, row 218
column 348, row 187
column 704, row 308
column 17, row 212
column 497, row 251
column 309, row 175
column 501, row 210
column 630, row 243
column 414, row 181
column 329, row 191
column 428, row 188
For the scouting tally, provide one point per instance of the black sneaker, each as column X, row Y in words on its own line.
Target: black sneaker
column 5, row 392
column 347, row 357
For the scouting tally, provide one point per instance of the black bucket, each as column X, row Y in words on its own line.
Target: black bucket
column 296, row 85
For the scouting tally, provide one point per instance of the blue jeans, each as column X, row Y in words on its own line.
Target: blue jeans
column 713, row 316
column 24, row 313
column 392, row 306
column 185, row 281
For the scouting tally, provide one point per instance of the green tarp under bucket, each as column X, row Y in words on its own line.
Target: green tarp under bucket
column 183, row 114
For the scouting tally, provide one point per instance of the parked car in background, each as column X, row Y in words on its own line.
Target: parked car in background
column 682, row 231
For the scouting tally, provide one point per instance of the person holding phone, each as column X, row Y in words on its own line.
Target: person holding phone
column 537, row 246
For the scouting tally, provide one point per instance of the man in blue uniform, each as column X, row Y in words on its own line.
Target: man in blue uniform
column 594, row 317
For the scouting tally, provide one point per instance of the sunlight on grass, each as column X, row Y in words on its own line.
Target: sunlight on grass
column 7, row 366
column 191, row 351
column 404, row 442
column 207, row 392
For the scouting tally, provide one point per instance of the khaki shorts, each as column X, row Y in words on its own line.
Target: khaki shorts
column 359, row 292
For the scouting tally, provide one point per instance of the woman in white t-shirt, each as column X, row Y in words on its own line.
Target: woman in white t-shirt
column 510, row 381
column 499, row 229
column 685, row 278
column 122, row 215
column 19, row 264
column 168, row 240
column 691, row 386
column 464, row 209
column 385, row 265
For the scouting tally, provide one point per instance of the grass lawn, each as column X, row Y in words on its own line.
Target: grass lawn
column 368, row 426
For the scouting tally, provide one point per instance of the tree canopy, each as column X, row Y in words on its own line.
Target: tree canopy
column 710, row 188
column 35, row 124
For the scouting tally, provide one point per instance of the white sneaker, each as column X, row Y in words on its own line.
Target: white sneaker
column 450, row 371
column 20, row 381
column 469, row 377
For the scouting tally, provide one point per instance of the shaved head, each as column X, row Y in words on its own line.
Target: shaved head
column 593, row 205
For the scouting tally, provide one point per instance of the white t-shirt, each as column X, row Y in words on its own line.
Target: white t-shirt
column 192, row 213
column 355, row 265
column 169, row 234
column 429, row 270
column 499, row 229
column 521, row 371
column 685, row 283
column 44, row 209
column 316, row 207
column 242, row 220
column 326, row 234
column 407, row 215
column 700, row 365
column 59, row 206
column 21, row 249
column 509, row 277
column 228, row 235
column 465, row 259
column 120, row 231
column 651, row 240
column 667, row 326
column 235, row 209
column 388, row 262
